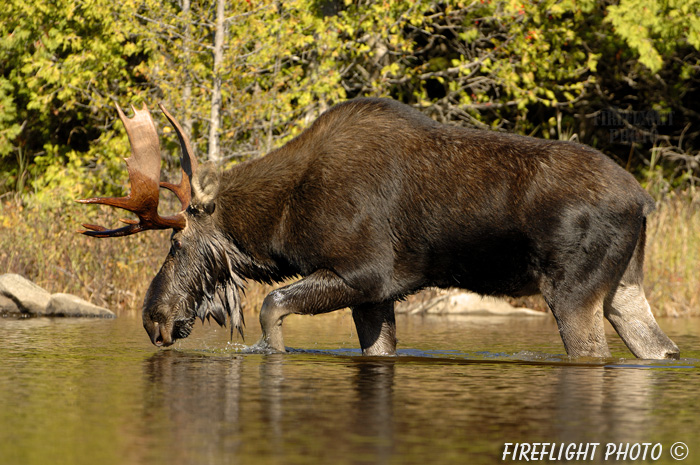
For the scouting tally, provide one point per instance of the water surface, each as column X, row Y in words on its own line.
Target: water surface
column 87, row 392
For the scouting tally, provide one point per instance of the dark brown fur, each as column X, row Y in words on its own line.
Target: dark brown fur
column 376, row 201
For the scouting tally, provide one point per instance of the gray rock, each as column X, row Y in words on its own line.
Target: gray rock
column 20, row 296
column 26, row 295
column 8, row 306
column 458, row 302
column 71, row 306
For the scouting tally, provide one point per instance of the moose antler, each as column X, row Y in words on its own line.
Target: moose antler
column 144, row 176
column 188, row 162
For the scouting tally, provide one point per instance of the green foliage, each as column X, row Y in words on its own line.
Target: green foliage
column 548, row 68
column 64, row 63
column 478, row 62
column 275, row 71
column 654, row 29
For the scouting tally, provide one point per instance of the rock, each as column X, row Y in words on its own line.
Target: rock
column 71, row 306
column 458, row 302
column 26, row 295
column 19, row 296
column 8, row 306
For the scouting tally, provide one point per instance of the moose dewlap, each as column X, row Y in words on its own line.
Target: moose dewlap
column 375, row 201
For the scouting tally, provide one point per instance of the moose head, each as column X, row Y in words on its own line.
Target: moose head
column 197, row 278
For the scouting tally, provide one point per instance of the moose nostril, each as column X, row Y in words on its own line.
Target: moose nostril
column 156, row 335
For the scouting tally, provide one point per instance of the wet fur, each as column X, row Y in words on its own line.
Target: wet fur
column 211, row 289
column 385, row 201
column 392, row 202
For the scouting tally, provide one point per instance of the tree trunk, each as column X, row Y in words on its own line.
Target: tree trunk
column 215, row 117
column 187, row 91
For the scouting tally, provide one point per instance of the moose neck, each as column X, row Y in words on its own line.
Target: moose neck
column 252, row 206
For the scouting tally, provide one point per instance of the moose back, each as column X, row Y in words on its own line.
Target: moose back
column 375, row 201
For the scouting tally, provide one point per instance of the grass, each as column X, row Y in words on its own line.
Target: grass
column 41, row 244
column 672, row 261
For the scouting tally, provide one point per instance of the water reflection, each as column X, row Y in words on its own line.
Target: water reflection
column 199, row 396
column 604, row 404
column 103, row 394
column 374, row 405
column 263, row 404
column 271, row 399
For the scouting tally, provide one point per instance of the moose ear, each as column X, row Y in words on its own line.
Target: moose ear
column 205, row 186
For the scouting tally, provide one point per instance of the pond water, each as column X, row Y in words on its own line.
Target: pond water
column 97, row 392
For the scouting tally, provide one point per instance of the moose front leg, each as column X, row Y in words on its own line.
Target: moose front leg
column 376, row 328
column 321, row 292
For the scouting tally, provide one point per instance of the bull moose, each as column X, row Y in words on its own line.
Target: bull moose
column 375, row 201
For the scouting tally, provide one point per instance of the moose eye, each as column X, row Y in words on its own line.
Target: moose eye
column 177, row 244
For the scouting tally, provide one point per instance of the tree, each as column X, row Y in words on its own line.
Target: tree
column 215, row 119
column 655, row 29
column 551, row 68
column 63, row 62
column 248, row 77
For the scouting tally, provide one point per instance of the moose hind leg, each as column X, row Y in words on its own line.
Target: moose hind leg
column 321, row 292
column 627, row 309
column 592, row 248
column 376, row 328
